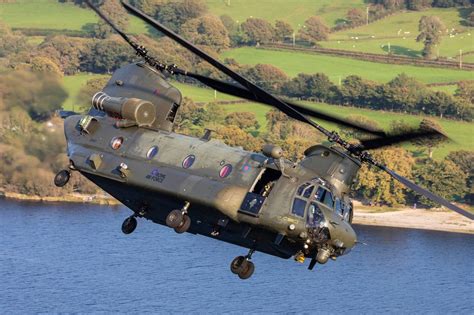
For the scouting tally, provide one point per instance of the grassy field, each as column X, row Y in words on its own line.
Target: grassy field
column 73, row 85
column 50, row 14
column 460, row 132
column 294, row 12
column 338, row 68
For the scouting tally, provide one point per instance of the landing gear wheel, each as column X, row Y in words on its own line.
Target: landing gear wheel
column 237, row 265
column 174, row 219
column 247, row 271
column 62, row 178
column 184, row 226
column 129, row 225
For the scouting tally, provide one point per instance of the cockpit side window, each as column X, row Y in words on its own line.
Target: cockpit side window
column 299, row 206
column 302, row 188
column 307, row 192
column 320, row 194
column 339, row 207
column 328, row 201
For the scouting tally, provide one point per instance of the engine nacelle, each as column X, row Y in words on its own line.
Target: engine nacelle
column 139, row 111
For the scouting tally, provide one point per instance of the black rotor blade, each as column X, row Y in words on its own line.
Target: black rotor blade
column 238, row 91
column 252, row 88
column 426, row 193
column 377, row 143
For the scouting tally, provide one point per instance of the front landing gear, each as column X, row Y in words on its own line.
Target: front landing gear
column 179, row 219
column 242, row 266
column 129, row 225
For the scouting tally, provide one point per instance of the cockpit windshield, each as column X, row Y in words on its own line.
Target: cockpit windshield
column 307, row 199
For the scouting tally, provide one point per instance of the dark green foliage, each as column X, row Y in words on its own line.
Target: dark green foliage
column 443, row 178
column 175, row 13
column 116, row 13
column 243, row 120
column 311, row 86
column 37, row 93
column 465, row 161
column 106, row 56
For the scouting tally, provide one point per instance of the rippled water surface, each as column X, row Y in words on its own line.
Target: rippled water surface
column 74, row 258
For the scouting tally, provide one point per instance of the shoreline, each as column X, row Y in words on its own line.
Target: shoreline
column 420, row 219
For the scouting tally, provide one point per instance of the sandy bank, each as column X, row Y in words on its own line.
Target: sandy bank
column 436, row 220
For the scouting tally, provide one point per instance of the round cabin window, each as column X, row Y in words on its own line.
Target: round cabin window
column 225, row 171
column 116, row 143
column 152, row 152
column 189, row 161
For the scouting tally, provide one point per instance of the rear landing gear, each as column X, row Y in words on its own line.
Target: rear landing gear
column 62, row 178
column 242, row 266
column 179, row 219
column 129, row 225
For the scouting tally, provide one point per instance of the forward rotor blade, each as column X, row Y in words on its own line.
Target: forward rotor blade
column 426, row 193
column 252, row 88
column 238, row 91
column 371, row 144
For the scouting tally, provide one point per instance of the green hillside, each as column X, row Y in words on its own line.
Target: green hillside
column 294, row 12
column 50, row 14
column 460, row 132
column 338, row 68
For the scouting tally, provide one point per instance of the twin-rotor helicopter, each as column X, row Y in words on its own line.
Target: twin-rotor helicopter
column 258, row 200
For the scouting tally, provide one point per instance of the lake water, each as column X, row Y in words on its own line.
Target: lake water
column 74, row 258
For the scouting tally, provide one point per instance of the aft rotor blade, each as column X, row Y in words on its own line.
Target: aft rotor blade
column 426, row 193
column 252, row 88
column 377, row 143
column 238, row 91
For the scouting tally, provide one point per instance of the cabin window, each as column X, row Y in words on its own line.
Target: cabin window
column 265, row 182
column 225, row 171
column 299, row 206
column 152, row 152
column 116, row 143
column 189, row 161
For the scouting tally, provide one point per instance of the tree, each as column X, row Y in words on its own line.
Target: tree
column 257, row 31
column 86, row 92
column 175, row 13
column 377, row 185
column 442, row 178
column 243, row 120
column 403, row 93
column 64, row 52
column 116, row 13
column 418, row 4
column 356, row 91
column 206, row 30
column 314, row 30
column 46, row 66
column 236, row 137
column 431, row 28
column 356, row 17
column 465, row 90
column 268, row 77
column 11, row 42
column 430, row 142
column 147, row 6
column 465, row 161
column 37, row 93
column 106, row 56
column 359, row 120
column 282, row 30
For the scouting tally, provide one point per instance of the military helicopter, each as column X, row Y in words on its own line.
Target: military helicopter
column 257, row 200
